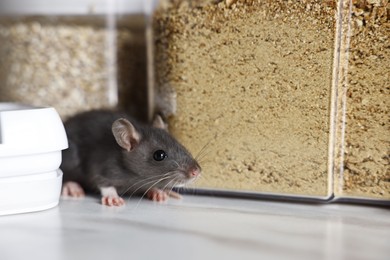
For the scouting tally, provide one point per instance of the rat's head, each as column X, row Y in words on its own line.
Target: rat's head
column 152, row 154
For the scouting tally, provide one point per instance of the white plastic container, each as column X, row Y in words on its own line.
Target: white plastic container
column 30, row 193
column 31, row 141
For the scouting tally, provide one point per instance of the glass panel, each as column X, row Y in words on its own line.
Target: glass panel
column 253, row 84
column 74, row 62
column 364, row 169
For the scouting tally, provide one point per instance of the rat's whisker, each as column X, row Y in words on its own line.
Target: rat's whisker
column 175, row 189
column 173, row 180
column 207, row 178
column 185, row 187
column 177, row 164
column 188, row 190
column 203, row 156
column 214, row 138
column 178, row 182
column 143, row 195
column 142, row 179
column 203, row 148
column 141, row 184
column 169, row 190
column 154, row 182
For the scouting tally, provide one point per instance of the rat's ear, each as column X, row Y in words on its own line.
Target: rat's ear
column 159, row 123
column 125, row 134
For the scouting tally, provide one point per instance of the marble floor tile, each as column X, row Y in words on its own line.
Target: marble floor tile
column 197, row 227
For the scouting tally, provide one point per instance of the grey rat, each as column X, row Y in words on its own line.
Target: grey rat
column 111, row 153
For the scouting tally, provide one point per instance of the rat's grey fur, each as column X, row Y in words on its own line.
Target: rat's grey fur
column 94, row 158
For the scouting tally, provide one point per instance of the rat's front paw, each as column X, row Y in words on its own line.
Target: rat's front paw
column 110, row 197
column 72, row 189
column 112, row 201
column 161, row 195
column 157, row 195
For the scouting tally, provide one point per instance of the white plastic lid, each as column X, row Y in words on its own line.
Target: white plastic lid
column 30, row 130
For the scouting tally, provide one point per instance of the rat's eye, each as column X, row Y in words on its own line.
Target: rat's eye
column 159, row 155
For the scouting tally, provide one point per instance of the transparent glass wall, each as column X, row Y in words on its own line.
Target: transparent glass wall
column 75, row 55
column 363, row 131
column 269, row 97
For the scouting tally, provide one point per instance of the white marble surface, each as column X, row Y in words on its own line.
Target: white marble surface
column 197, row 228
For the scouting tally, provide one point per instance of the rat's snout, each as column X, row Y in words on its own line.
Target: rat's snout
column 194, row 172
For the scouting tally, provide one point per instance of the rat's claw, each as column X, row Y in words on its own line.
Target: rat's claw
column 112, row 201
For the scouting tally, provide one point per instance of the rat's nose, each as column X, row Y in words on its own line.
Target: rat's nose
column 194, row 172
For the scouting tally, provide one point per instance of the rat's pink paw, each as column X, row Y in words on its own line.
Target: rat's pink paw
column 72, row 189
column 157, row 195
column 162, row 195
column 112, row 201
